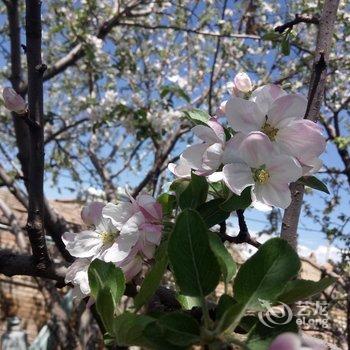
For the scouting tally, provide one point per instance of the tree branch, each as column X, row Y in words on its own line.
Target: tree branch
column 35, row 223
column 315, row 98
column 298, row 19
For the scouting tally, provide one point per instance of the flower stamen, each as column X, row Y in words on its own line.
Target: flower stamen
column 269, row 131
column 261, row 176
column 107, row 237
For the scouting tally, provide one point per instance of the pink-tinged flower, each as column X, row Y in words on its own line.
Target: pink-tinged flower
column 149, row 212
column 182, row 169
column 92, row 213
column 259, row 166
column 13, row 101
column 108, row 241
column 204, row 158
column 131, row 266
column 77, row 274
column 280, row 116
column 220, row 111
column 242, row 83
column 293, row 341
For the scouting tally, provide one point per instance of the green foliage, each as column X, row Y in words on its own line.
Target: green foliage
column 174, row 90
column 236, row 202
column 153, row 278
column 195, row 193
column 104, row 275
column 301, row 289
column 314, row 182
column 212, row 213
column 194, row 265
column 168, row 202
column 197, row 116
column 227, row 264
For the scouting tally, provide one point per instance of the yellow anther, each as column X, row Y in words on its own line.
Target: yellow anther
column 262, row 176
column 107, row 237
column 269, row 131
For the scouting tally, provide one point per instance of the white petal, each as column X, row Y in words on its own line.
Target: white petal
column 242, row 82
column 193, row 155
column 118, row 214
column 283, row 168
column 244, row 115
column 85, row 244
column 313, row 167
column 119, row 250
column 132, row 226
column 91, row 213
column 215, row 177
column 181, row 169
column 286, row 341
column 287, row 107
column 265, row 95
column 261, row 206
column 231, row 151
column 205, row 134
column 212, row 157
column 237, row 177
column 301, row 139
column 274, row 194
column 255, row 149
column 218, row 129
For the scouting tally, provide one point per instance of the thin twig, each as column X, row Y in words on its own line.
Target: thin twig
column 298, row 19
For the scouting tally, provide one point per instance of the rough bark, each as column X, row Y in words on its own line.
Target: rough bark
column 315, row 100
column 35, row 223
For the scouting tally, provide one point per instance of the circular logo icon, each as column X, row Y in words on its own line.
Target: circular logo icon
column 274, row 315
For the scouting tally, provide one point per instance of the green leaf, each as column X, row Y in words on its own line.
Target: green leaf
column 153, row 278
column 225, row 302
column 195, row 266
column 264, row 275
column 314, row 182
column 211, row 212
column 179, row 328
column 197, row 116
column 227, row 264
column 261, row 336
column 187, row 302
column 106, row 275
column 285, row 46
column 302, row 289
column 195, row 193
column 105, row 308
column 238, row 202
column 179, row 185
column 168, row 202
column 272, row 36
column 261, row 277
column 128, row 329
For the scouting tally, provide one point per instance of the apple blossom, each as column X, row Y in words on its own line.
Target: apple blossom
column 107, row 241
column 91, row 213
column 242, row 83
column 77, row 274
column 13, row 101
column 258, row 165
column 280, row 116
column 204, row 158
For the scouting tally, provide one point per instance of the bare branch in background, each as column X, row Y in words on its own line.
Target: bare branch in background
column 298, row 19
column 315, row 99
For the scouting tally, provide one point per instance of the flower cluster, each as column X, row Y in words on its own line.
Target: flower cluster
column 270, row 143
column 125, row 234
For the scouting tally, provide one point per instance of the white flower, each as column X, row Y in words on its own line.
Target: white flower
column 256, row 164
column 108, row 241
column 292, row 341
column 280, row 117
column 204, row 158
column 77, row 274
column 242, row 83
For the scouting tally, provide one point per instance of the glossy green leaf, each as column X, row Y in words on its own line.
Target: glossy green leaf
column 194, row 264
column 197, row 116
column 265, row 274
column 187, row 302
column 211, row 212
column 227, row 264
column 301, row 289
column 195, row 193
column 105, row 307
column 237, row 202
column 168, row 202
column 285, row 46
column 153, row 278
column 314, row 182
column 106, row 275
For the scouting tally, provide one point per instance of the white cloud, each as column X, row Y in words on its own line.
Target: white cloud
column 322, row 253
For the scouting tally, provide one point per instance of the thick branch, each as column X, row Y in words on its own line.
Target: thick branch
column 35, row 223
column 12, row 264
column 298, row 19
column 315, row 99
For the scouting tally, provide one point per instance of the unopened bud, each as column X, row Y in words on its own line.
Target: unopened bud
column 13, row 101
column 242, row 83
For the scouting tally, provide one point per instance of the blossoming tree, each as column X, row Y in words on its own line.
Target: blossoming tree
column 260, row 146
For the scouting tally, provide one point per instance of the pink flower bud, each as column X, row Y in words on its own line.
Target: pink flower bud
column 242, row 83
column 13, row 101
